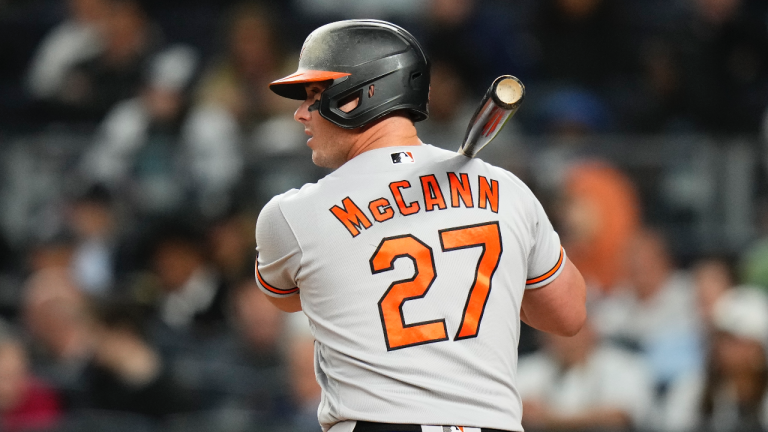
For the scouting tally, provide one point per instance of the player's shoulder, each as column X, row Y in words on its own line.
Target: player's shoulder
column 499, row 173
column 273, row 208
column 386, row 161
column 455, row 162
column 293, row 195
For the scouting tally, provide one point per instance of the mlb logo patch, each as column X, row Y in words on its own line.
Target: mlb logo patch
column 402, row 157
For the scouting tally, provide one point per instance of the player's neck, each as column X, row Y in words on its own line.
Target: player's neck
column 392, row 131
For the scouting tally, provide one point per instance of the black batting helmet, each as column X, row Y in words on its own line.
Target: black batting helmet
column 378, row 61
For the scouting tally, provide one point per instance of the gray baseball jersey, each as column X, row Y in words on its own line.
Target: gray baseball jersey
column 411, row 263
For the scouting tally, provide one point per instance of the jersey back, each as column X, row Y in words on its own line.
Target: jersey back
column 411, row 264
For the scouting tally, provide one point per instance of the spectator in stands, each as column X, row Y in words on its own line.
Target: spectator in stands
column 449, row 107
column 237, row 82
column 583, row 43
column 54, row 252
column 655, row 312
column 233, row 97
column 92, row 218
column 578, row 383
column 137, row 150
column 599, row 217
column 54, row 314
column 193, row 296
column 26, row 403
column 481, row 39
column 78, row 38
column 571, row 112
column 451, row 34
column 95, row 85
column 260, row 326
column 730, row 393
column 587, row 46
column 126, row 373
column 256, row 352
column 658, row 104
column 722, row 55
column 713, row 278
column 243, row 369
column 232, row 245
column 305, row 392
column 714, row 281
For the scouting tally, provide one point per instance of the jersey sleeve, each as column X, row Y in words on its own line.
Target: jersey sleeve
column 546, row 258
column 278, row 252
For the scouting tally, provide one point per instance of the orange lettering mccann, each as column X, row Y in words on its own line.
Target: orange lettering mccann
column 351, row 216
column 433, row 196
column 405, row 210
column 460, row 188
column 489, row 193
column 381, row 210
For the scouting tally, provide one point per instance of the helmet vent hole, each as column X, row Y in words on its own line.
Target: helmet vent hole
column 371, row 90
column 415, row 76
column 350, row 103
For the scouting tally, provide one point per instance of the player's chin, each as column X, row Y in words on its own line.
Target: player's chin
column 317, row 158
column 324, row 160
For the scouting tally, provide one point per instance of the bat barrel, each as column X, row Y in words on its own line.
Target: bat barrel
column 500, row 102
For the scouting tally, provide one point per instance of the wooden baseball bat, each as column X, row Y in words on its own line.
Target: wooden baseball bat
column 500, row 102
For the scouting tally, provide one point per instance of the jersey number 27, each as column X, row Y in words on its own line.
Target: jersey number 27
column 397, row 333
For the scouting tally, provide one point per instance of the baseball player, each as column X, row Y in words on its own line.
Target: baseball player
column 413, row 264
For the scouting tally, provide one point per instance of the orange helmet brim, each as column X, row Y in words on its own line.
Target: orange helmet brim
column 290, row 86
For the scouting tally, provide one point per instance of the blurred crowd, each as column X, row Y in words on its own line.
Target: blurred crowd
column 128, row 302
